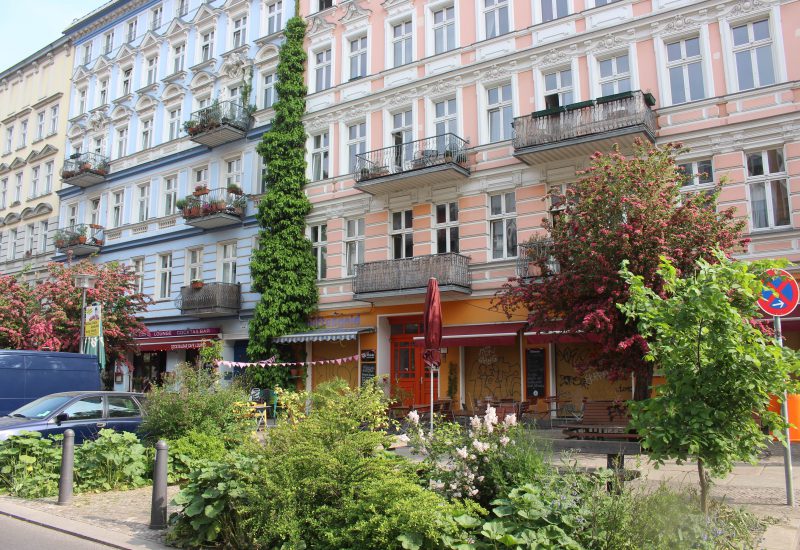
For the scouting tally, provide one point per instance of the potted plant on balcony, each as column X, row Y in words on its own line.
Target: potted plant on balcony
column 234, row 189
column 180, row 204
column 201, row 190
column 191, row 127
column 197, row 284
column 649, row 99
column 60, row 238
column 79, row 236
column 238, row 205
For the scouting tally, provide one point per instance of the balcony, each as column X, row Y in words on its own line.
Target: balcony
column 535, row 259
column 416, row 163
column 212, row 209
column 219, row 123
column 80, row 239
column 210, row 300
column 580, row 129
column 85, row 169
column 392, row 278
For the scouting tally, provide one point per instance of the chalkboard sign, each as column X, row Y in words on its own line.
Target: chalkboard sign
column 534, row 373
column 367, row 372
column 368, row 355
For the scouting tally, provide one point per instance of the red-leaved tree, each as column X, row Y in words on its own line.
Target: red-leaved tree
column 47, row 316
column 621, row 208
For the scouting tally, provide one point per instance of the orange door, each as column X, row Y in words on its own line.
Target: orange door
column 410, row 378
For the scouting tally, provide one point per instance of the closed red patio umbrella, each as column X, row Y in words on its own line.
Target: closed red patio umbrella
column 432, row 328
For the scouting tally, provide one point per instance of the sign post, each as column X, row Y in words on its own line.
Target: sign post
column 779, row 298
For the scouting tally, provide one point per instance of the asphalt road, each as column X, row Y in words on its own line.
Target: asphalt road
column 21, row 535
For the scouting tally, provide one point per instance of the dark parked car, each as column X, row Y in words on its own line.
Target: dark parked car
column 85, row 412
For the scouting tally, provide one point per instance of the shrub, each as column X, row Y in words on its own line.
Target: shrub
column 198, row 403
column 114, row 461
column 30, row 465
column 191, row 452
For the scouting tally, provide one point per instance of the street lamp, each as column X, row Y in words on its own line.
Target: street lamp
column 84, row 281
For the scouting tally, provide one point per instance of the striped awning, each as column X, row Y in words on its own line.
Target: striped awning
column 324, row 335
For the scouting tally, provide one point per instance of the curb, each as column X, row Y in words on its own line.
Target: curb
column 78, row 529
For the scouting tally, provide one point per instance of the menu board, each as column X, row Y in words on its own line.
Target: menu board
column 534, row 373
column 367, row 372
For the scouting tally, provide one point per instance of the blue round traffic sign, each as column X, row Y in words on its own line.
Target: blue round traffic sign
column 780, row 294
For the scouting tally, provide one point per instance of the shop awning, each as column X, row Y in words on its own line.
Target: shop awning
column 554, row 332
column 324, row 335
column 489, row 334
column 171, row 343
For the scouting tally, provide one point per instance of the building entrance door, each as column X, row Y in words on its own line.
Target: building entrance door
column 410, row 379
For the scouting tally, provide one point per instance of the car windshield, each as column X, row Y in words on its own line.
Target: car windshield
column 42, row 407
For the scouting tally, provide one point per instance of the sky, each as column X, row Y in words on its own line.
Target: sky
column 29, row 25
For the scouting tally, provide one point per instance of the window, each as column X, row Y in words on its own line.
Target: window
column 170, row 192
column 444, row 30
column 598, row 3
column 122, row 142
column 23, row 133
column 697, row 173
column 30, row 238
column 239, row 31
column 108, row 42
column 274, row 16
column 503, row 222
column 558, row 89
column 207, row 46
column 155, row 18
column 358, row 58
column 126, row 81
column 401, row 43
column 18, row 188
column 319, row 156
column 269, row 90
column 152, row 69
column 164, row 276
column 201, row 176
column 35, row 181
column 3, row 192
column 685, row 70
column 183, row 8
column 103, row 94
column 81, row 101
column 324, row 4
column 138, row 274
column 90, row 408
column 354, row 245
column 194, row 264
column 178, row 57
column 769, row 192
column 615, row 75
column 94, row 211
column 99, row 145
column 319, row 241
column 147, row 134
column 44, row 228
column 9, row 139
column 402, row 234
column 132, row 30
column 117, row 199
column 40, row 125
column 402, row 134
column 752, row 49
column 356, row 143
column 234, row 93
column 87, row 53
column 554, row 9
column 495, row 17
column 54, row 119
column 262, row 184
column 228, row 255
column 142, row 202
column 12, row 243
column 48, row 176
column 447, row 227
column 72, row 215
column 499, row 112
column 122, row 407
column 445, row 118
column 174, row 125
column 322, row 72
column 233, row 175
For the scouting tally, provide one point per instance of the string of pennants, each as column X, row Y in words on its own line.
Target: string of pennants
column 271, row 362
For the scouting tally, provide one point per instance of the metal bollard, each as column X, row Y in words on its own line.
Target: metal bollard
column 158, row 510
column 67, row 463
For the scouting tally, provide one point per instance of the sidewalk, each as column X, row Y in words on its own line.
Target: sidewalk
column 118, row 519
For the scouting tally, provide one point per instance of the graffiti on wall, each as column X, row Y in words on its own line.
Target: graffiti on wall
column 574, row 386
column 491, row 371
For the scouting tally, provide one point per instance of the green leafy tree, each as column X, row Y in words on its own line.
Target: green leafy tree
column 720, row 366
column 283, row 268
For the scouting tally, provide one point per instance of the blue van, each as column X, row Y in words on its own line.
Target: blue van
column 26, row 375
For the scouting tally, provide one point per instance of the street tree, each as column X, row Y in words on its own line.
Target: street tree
column 720, row 367
column 621, row 208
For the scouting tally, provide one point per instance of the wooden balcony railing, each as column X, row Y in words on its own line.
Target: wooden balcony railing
column 212, row 299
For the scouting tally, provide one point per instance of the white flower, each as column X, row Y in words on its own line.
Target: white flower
column 491, row 417
column 436, row 485
column 462, row 452
column 457, row 494
column 504, row 441
column 480, row 446
column 480, row 478
column 511, row 420
column 473, row 492
column 475, row 422
column 413, row 417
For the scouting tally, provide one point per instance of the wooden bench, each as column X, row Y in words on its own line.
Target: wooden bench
column 602, row 420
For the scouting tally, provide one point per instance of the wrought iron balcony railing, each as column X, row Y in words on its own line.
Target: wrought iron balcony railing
column 84, row 169
column 210, row 299
column 408, row 274
column 205, row 203
column 536, row 259
column 219, row 113
column 444, row 149
column 603, row 115
column 80, row 238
